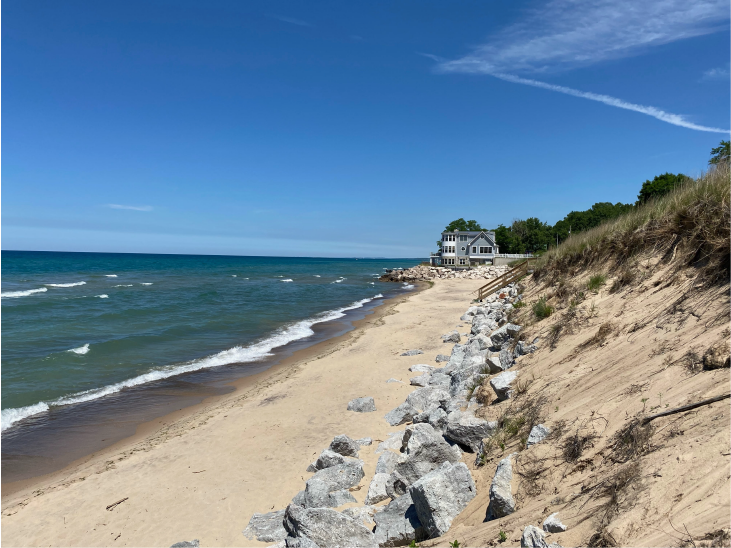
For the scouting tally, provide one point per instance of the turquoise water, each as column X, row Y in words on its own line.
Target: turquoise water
column 80, row 327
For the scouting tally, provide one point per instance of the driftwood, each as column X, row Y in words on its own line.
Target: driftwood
column 684, row 408
column 114, row 505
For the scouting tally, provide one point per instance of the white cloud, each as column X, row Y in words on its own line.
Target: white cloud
column 670, row 118
column 134, row 208
column 291, row 21
column 716, row 74
column 565, row 34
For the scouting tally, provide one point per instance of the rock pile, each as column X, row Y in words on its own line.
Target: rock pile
column 420, row 467
column 422, row 273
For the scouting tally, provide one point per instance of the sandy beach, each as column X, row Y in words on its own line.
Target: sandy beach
column 201, row 474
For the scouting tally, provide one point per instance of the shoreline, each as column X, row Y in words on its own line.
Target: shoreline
column 234, row 388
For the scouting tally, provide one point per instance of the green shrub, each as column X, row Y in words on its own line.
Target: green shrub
column 519, row 304
column 502, row 536
column 596, row 281
column 541, row 309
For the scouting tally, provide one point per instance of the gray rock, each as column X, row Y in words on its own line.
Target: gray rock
column 428, row 397
column 412, row 352
column 469, row 430
column 553, row 525
column 326, row 459
column 362, row 514
column 501, row 335
column 363, row 442
column 267, row 527
column 344, row 445
column 422, row 368
column 424, row 451
column 377, row 489
column 452, row 337
column 437, row 418
column 533, row 537
column 501, row 494
column 394, row 380
column 501, row 384
column 494, row 364
column 421, row 380
column 362, row 405
column 393, row 443
column 318, row 495
column 455, row 359
column 442, row 358
column 483, row 341
column 402, row 414
column 397, row 524
column 537, row 434
column 187, row 544
column 297, row 542
column 507, row 360
column 512, row 328
column 340, row 476
column 441, row 495
column 439, row 379
column 327, row 528
column 523, row 348
column 387, row 462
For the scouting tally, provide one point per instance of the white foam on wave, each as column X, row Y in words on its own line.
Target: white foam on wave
column 287, row 280
column 146, row 283
column 110, row 275
column 26, row 293
column 371, row 283
column 102, row 296
column 233, row 275
column 123, row 285
column 379, row 296
column 74, row 284
column 317, row 276
column 238, row 354
column 80, row 350
column 11, row 416
column 409, row 286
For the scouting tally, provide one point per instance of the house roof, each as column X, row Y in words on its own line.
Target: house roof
column 487, row 237
column 468, row 232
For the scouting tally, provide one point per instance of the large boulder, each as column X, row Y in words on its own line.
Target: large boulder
column 439, row 379
column 455, row 359
column 345, row 446
column 469, row 430
column 501, row 493
column 326, row 459
column 267, row 527
column 483, row 341
column 501, row 384
column 441, row 495
column 318, row 494
column 387, row 462
column 537, row 434
column 397, row 523
column 422, row 368
column 327, row 528
column 533, row 537
column 402, row 414
column 507, row 360
column 361, row 514
column 424, row 450
column 362, row 405
column 441, row 358
column 428, row 397
column 494, row 364
column 452, row 337
column 377, row 489
column 553, row 525
column 523, row 348
column 421, row 380
column 392, row 443
column 503, row 334
column 341, row 476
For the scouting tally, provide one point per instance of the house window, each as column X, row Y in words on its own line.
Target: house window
column 463, row 238
column 463, row 248
column 485, row 250
column 461, row 261
column 474, row 249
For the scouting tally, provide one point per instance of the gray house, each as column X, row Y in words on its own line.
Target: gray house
column 464, row 248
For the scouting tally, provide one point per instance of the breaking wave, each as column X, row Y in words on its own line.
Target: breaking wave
column 238, row 354
column 80, row 350
column 102, row 296
column 74, row 284
column 26, row 293
column 287, row 280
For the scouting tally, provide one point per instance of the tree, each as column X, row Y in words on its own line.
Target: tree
column 659, row 186
column 720, row 153
column 461, row 224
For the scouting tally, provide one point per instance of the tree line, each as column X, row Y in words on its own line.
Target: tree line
column 532, row 235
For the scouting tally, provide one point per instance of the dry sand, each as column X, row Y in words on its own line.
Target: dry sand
column 203, row 475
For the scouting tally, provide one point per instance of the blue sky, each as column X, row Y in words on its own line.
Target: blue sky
column 343, row 128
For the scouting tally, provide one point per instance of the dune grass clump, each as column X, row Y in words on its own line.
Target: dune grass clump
column 542, row 309
column 689, row 226
column 595, row 282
